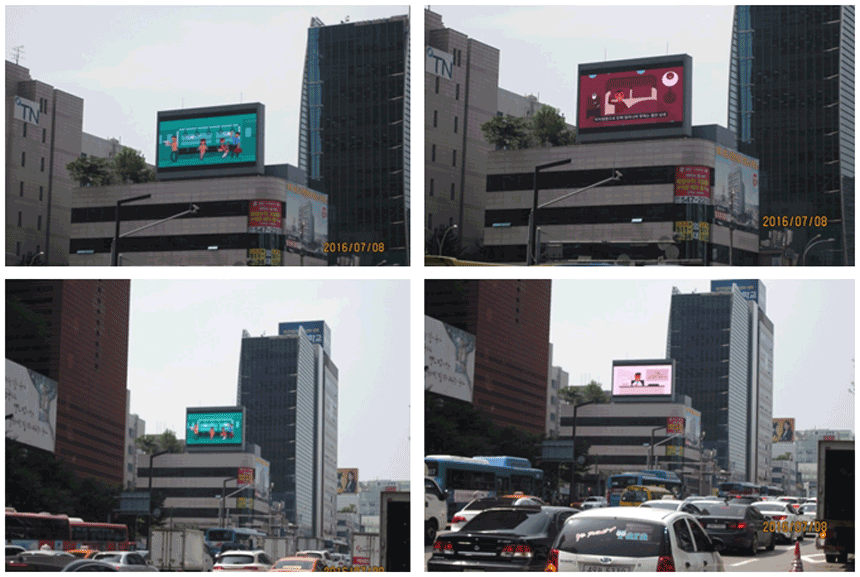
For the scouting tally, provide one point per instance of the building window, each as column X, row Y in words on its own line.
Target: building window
column 455, row 124
column 435, row 117
column 20, row 217
column 454, row 158
column 452, row 191
column 457, row 92
column 41, row 191
column 39, row 222
column 43, row 164
column 459, row 57
column 21, row 189
column 433, row 153
column 23, row 158
column 432, row 182
column 44, row 135
column 25, row 130
column 437, row 85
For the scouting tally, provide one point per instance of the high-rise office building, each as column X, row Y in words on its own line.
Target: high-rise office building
column 80, row 340
column 43, row 135
column 461, row 80
column 288, row 386
column 722, row 345
column 791, row 104
column 510, row 321
column 354, row 131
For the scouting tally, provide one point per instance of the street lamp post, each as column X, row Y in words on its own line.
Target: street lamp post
column 531, row 249
column 151, row 457
column 573, row 448
column 192, row 209
column 114, row 248
column 442, row 242
column 812, row 243
column 651, row 446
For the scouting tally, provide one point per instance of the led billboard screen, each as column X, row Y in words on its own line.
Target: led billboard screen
column 212, row 140
column 644, row 379
column 631, row 98
column 783, row 431
column 214, row 427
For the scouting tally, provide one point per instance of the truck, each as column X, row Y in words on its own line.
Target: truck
column 836, row 499
column 279, row 547
column 365, row 550
column 394, row 530
column 435, row 509
column 178, row 549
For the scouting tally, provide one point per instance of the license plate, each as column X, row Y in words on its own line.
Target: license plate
column 717, row 526
column 608, row 568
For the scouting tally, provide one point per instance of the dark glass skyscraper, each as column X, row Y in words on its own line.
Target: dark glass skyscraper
column 791, row 104
column 288, row 386
column 354, row 133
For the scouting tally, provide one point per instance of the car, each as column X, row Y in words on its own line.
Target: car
column 512, row 538
column 794, row 501
column 237, row 560
column 53, row 561
column 807, row 516
column 474, row 507
column 435, row 509
column 124, row 560
column 298, row 564
column 12, row 550
column 738, row 525
column 325, row 556
column 672, row 505
column 84, row 553
column 783, row 520
column 88, row 565
column 595, row 502
column 634, row 539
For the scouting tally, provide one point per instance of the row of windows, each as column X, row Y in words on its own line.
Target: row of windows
column 430, row 221
column 433, row 155
column 436, row 121
column 38, row 221
column 188, row 242
column 611, row 214
column 433, row 187
column 456, row 89
column 44, row 133
column 24, row 160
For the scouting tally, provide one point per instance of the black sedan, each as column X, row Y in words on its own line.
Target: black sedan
column 501, row 539
column 738, row 525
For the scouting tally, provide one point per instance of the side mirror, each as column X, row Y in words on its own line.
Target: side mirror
column 719, row 544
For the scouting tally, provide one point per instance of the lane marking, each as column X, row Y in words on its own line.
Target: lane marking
column 742, row 562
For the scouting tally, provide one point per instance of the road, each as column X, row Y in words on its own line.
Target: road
column 777, row 560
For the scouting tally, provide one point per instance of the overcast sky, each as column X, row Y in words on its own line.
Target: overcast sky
column 185, row 337
column 127, row 63
column 596, row 322
column 542, row 46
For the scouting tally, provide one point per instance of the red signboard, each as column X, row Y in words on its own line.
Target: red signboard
column 674, row 425
column 265, row 216
column 631, row 98
column 246, row 476
column 692, row 184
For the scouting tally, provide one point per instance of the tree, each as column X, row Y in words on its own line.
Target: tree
column 91, row 171
column 507, row 132
column 129, row 166
column 549, row 128
column 166, row 441
column 590, row 392
column 453, row 244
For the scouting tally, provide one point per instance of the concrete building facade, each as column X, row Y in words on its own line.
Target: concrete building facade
column 558, row 379
column 135, row 428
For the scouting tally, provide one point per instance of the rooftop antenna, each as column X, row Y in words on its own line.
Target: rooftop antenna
column 18, row 51
column 183, row 102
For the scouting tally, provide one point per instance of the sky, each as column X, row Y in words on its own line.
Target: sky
column 127, row 63
column 596, row 322
column 185, row 339
column 541, row 47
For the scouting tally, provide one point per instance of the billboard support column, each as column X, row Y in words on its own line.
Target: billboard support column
column 114, row 253
column 531, row 251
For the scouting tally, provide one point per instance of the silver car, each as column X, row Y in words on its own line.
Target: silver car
column 124, row 560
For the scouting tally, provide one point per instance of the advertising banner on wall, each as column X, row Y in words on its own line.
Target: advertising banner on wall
column 347, row 481
column 449, row 360
column 692, row 230
column 692, row 185
column 674, row 425
column 692, row 428
column 31, row 400
column 264, row 257
column 207, row 141
column 264, row 216
column 631, row 97
column 246, row 476
column 315, row 331
column 644, row 379
column 736, row 188
column 261, row 479
column 783, row 430
column 306, row 218
column 438, row 63
column 213, row 428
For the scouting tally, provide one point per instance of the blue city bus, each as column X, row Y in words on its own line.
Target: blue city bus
column 733, row 489
column 772, row 491
column 218, row 540
column 616, row 484
column 468, row 478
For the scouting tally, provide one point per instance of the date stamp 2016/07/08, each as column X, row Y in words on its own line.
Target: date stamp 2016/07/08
column 795, row 526
column 351, row 247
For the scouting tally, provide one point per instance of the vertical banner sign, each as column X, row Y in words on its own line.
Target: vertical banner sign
column 675, row 425
column 246, row 476
column 692, row 184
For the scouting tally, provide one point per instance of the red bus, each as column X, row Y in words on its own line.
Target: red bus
column 59, row 532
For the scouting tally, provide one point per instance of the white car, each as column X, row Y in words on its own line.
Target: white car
column 634, row 539
column 476, row 506
column 807, row 516
column 320, row 554
column 784, row 519
column 242, row 561
column 124, row 560
column 672, row 505
column 593, row 503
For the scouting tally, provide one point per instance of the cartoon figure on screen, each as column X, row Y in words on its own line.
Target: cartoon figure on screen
column 173, row 143
column 202, row 148
column 637, row 381
column 225, row 148
column 237, row 143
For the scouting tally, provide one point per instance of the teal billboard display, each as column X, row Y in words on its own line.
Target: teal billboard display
column 214, row 427
column 207, row 141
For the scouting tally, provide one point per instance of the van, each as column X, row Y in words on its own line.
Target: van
column 635, row 495
column 435, row 509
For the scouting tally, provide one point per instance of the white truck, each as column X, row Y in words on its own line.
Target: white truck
column 836, row 487
column 394, row 530
column 365, row 550
column 435, row 509
column 279, row 547
column 178, row 549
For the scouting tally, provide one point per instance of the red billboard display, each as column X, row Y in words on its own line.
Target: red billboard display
column 265, row 216
column 648, row 96
column 692, row 184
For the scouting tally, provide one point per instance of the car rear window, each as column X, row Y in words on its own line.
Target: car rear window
column 618, row 537
column 771, row 507
column 520, row 522
column 297, row 563
column 662, row 505
column 235, row 559
column 634, row 496
column 720, row 510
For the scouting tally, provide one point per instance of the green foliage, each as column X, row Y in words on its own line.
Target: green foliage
column 453, row 244
column 590, row 392
column 91, row 171
column 507, row 132
column 129, row 166
column 549, row 128
column 166, row 441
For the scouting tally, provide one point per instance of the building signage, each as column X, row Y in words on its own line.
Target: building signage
column 306, row 224
column 31, row 400
column 261, row 479
column 315, row 331
column 736, row 191
column 213, row 428
column 27, row 111
column 449, row 360
column 783, row 430
column 674, row 450
column 264, row 257
column 692, row 185
column 674, row 425
column 439, row 63
column 246, row 476
column 641, row 379
column 751, row 290
column 264, row 216
column 347, row 481
column 245, row 502
column 691, row 230
column 693, row 428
